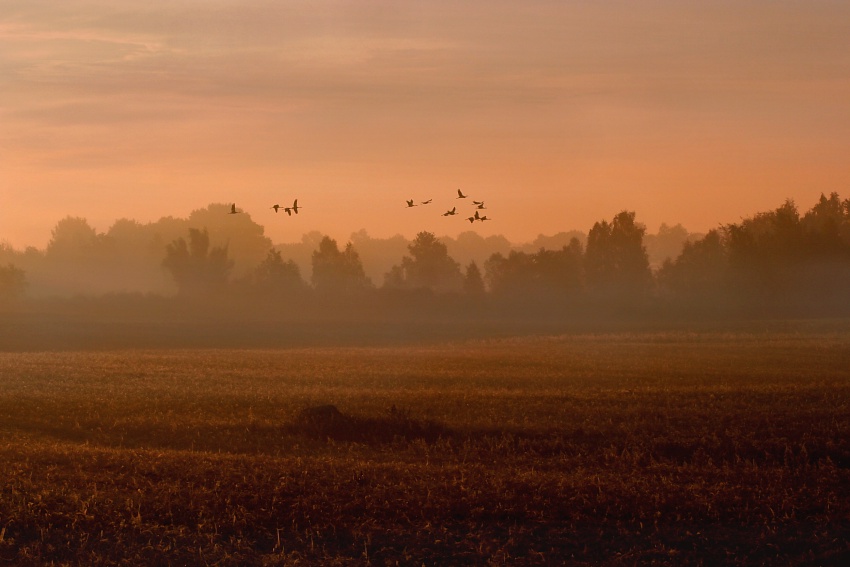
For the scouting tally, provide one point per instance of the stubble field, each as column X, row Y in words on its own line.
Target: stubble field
column 619, row 449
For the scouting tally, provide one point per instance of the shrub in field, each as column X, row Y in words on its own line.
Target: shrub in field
column 326, row 421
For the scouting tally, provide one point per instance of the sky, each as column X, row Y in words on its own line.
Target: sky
column 556, row 113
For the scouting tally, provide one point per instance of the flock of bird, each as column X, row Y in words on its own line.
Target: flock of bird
column 479, row 205
column 288, row 210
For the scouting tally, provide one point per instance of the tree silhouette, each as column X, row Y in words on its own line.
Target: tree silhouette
column 511, row 275
column 72, row 239
column 667, row 243
column 560, row 271
column 616, row 260
column 428, row 266
column 246, row 240
column 273, row 276
column 473, row 282
column 394, row 279
column 544, row 275
column 826, row 227
column 699, row 277
column 336, row 271
column 378, row 254
column 197, row 268
column 13, row 283
column 552, row 242
column 764, row 253
column 469, row 246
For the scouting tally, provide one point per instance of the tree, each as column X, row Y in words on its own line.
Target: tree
column 560, row 272
column 826, row 227
column 72, row 239
column 274, row 276
column 667, row 243
column 245, row 240
column 428, row 266
column 544, row 275
column 13, row 283
column 378, row 254
column 511, row 275
column 336, row 271
column 473, row 282
column 553, row 242
column 615, row 259
column 470, row 246
column 700, row 274
column 197, row 268
column 765, row 252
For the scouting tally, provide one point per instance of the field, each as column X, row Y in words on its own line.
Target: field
column 614, row 448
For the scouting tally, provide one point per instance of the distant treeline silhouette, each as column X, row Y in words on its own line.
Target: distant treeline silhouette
column 776, row 263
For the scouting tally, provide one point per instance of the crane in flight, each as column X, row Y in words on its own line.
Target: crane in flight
column 451, row 212
column 460, row 194
column 410, row 203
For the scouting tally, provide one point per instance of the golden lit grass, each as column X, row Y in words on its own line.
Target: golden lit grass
column 618, row 448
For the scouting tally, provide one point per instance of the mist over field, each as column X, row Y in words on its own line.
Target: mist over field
column 216, row 279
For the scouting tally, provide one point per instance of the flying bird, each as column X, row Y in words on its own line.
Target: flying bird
column 481, row 205
column 477, row 202
column 451, row 212
column 476, row 217
column 471, row 220
column 426, row 202
column 275, row 207
column 484, row 218
column 460, row 194
column 410, row 203
column 295, row 207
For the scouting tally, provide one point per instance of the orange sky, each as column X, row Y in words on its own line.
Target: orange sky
column 557, row 113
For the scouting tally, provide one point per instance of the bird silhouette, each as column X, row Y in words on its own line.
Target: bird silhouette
column 410, row 203
column 295, row 207
column 233, row 210
column 477, row 202
column 426, row 202
column 476, row 217
column 275, row 207
column 451, row 212
column 471, row 220
column 481, row 205
column 460, row 194
column 484, row 218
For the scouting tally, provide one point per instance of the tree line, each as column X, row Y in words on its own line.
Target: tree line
column 779, row 262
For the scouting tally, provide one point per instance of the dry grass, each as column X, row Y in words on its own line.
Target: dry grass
column 663, row 448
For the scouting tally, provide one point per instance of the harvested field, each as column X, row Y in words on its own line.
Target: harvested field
column 629, row 448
